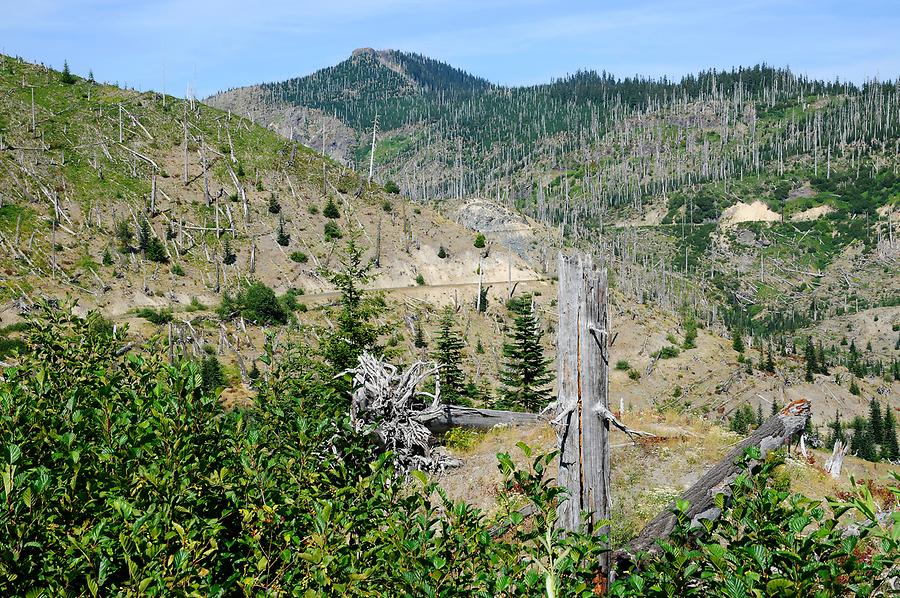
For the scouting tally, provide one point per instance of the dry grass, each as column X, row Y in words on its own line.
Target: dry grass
column 647, row 476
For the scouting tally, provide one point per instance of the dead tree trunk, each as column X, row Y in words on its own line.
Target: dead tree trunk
column 452, row 416
column 774, row 433
column 582, row 373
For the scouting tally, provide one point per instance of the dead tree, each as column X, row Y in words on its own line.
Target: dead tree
column 391, row 402
column 774, row 433
column 582, row 374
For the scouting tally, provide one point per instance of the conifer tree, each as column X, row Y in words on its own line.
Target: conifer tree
column 774, row 408
column 420, row 336
column 737, row 341
column 526, row 376
column 862, row 444
column 820, row 360
column 228, row 255
column 331, row 210
column 67, row 77
column 889, row 448
column 875, row 423
column 355, row 330
column 448, row 353
column 274, row 206
column 810, row 354
column 837, row 431
column 283, row 238
column 759, row 415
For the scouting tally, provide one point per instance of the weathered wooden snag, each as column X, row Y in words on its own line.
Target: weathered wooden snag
column 582, row 374
column 774, row 433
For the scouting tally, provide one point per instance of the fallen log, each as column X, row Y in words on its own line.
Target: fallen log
column 774, row 433
column 454, row 416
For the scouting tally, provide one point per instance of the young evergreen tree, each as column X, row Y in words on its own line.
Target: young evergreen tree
column 420, row 335
column 769, row 365
column 737, row 341
column 211, row 374
column 774, row 408
column 355, row 330
column 331, row 210
column 274, row 206
column 526, row 374
column 820, row 360
column 448, row 353
column 228, row 255
column 810, row 354
column 66, row 77
column 889, row 448
column 862, row 444
column 283, row 238
column 837, row 431
column 144, row 235
column 876, row 430
column 759, row 415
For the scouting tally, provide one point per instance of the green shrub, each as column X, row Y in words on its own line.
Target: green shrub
column 442, row 253
column 143, row 470
column 387, row 206
column 479, row 241
column 256, row 303
column 391, row 187
column 623, row 365
column 195, row 305
column 177, row 270
column 420, row 280
column 299, row 257
column 634, row 374
column 667, row 352
column 156, row 316
column 461, row 438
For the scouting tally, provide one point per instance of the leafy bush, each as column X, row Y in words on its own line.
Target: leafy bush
column 634, row 374
column 667, row 352
column 177, row 270
column 156, row 316
column 623, row 365
column 299, row 257
column 479, row 241
column 255, row 303
column 123, row 475
column 461, row 438
column 420, row 280
column 392, row 187
column 442, row 253
column 771, row 543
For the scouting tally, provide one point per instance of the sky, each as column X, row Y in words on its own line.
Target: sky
column 211, row 45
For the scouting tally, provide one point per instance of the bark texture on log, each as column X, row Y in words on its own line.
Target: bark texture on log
column 453, row 416
column 582, row 374
column 774, row 433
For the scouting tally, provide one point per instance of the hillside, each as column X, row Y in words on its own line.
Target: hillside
column 69, row 185
column 92, row 176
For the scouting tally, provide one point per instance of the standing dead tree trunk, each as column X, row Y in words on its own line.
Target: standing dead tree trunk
column 582, row 374
column 774, row 433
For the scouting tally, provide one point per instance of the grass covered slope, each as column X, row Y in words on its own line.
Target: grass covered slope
column 101, row 174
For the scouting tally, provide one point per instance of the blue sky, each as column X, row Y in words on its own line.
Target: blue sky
column 217, row 44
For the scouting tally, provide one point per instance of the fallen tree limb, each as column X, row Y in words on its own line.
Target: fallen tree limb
column 774, row 433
